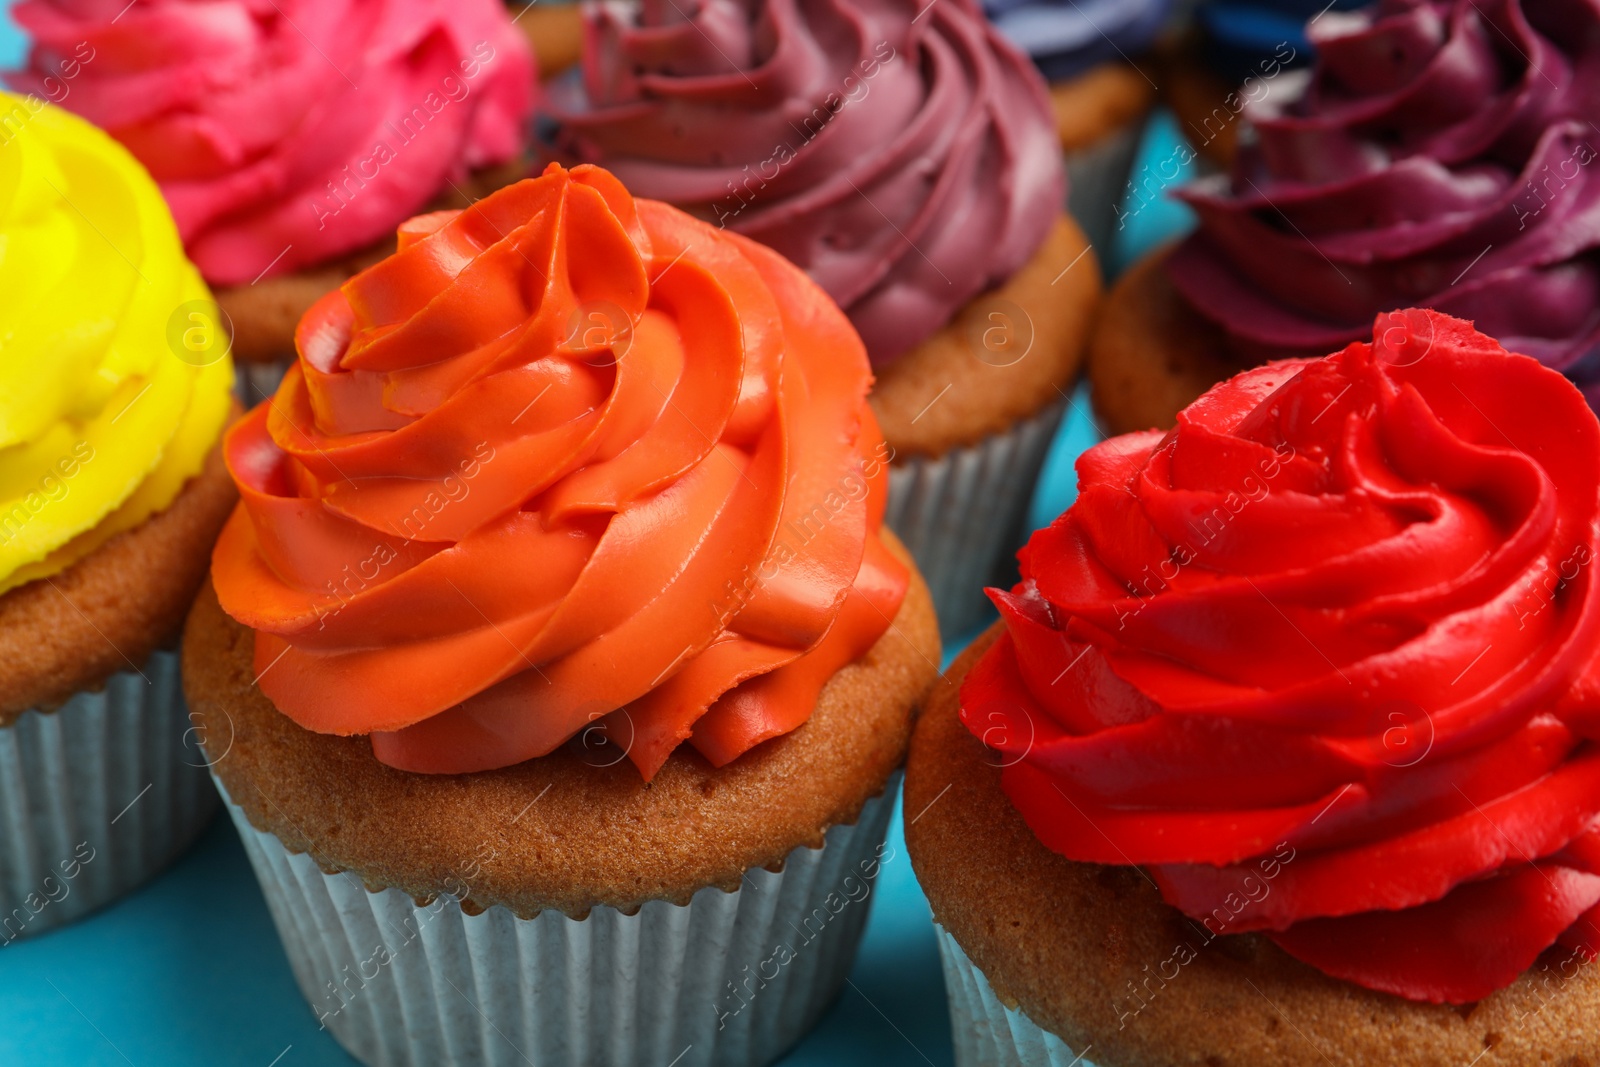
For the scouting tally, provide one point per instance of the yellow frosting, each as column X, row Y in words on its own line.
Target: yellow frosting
column 114, row 382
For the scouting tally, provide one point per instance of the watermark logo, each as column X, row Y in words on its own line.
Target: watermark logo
column 1002, row 335
column 607, row 740
column 1402, row 338
column 601, row 330
column 199, row 737
column 51, row 488
column 199, row 332
column 1003, row 736
column 53, row 889
column 1401, row 733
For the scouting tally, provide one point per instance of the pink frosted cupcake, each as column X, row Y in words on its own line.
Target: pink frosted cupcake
column 291, row 137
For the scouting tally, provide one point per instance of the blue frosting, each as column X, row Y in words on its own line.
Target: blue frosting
column 1241, row 33
column 1067, row 37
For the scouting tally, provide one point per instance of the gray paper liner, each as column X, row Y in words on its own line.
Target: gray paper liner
column 1097, row 176
column 963, row 515
column 405, row 985
column 254, row 382
column 96, row 797
column 986, row 1032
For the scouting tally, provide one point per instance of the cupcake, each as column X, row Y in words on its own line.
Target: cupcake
column 291, row 137
column 1425, row 161
column 563, row 657
column 906, row 161
column 1099, row 96
column 114, row 387
column 1292, row 723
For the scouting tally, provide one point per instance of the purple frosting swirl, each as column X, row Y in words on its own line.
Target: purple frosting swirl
column 904, row 155
column 1440, row 153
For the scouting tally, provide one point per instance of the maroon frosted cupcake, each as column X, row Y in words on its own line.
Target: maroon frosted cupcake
column 1437, row 155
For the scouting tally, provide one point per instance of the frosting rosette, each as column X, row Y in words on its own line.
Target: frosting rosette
column 1321, row 660
column 288, row 132
column 114, row 378
column 1438, row 154
column 1066, row 38
column 906, row 159
column 566, row 461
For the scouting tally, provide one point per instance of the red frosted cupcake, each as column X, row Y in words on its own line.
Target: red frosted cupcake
column 1293, row 717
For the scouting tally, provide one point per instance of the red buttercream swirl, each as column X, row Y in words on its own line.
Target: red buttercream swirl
column 565, row 458
column 1320, row 660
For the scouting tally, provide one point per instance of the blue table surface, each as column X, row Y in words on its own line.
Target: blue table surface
column 189, row 972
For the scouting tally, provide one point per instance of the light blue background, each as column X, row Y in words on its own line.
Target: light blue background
column 188, row 972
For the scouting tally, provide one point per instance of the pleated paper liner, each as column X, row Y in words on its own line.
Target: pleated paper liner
column 963, row 515
column 728, row 979
column 96, row 797
column 1097, row 178
column 986, row 1032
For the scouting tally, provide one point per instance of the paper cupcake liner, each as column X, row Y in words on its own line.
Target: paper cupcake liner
column 986, row 1032
column 728, row 979
column 96, row 797
column 963, row 514
column 1097, row 176
column 254, row 382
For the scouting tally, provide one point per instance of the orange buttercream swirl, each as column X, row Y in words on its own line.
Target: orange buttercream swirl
column 565, row 460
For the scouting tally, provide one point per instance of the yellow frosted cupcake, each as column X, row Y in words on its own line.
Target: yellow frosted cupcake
column 114, row 389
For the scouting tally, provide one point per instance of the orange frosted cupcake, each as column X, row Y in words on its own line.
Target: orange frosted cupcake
column 563, row 655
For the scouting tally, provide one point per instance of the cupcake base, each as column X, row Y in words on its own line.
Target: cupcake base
column 573, row 829
column 102, row 783
column 96, row 797
column 1152, row 355
column 561, row 908
column 986, row 1031
column 729, row 978
column 1093, row 956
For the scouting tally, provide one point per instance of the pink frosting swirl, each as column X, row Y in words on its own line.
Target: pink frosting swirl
column 288, row 132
